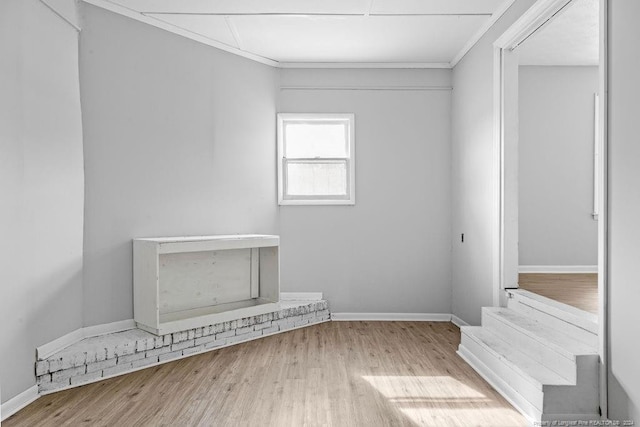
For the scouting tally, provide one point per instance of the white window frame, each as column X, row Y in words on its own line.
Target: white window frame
column 283, row 198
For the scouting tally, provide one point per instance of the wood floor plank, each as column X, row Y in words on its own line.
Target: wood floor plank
column 579, row 290
column 332, row 374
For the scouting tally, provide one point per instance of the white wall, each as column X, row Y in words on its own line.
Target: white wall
column 472, row 172
column 179, row 140
column 391, row 251
column 624, row 210
column 41, row 183
column 556, row 107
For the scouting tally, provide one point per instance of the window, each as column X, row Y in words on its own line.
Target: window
column 316, row 163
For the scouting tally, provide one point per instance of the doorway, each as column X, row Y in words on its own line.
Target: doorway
column 550, row 127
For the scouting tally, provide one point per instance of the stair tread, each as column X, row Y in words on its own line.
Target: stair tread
column 519, row 361
column 543, row 332
column 568, row 313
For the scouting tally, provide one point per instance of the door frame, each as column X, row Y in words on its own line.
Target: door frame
column 540, row 14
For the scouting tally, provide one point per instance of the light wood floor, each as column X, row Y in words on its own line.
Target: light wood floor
column 336, row 373
column 578, row 290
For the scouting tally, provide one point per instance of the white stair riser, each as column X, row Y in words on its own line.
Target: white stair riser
column 516, row 380
column 502, row 387
column 563, row 326
column 545, row 354
column 582, row 398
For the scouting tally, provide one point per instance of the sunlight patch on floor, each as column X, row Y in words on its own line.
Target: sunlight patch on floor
column 440, row 400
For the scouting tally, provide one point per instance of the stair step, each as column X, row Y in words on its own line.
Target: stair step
column 568, row 313
column 580, row 325
column 531, row 370
column 544, row 334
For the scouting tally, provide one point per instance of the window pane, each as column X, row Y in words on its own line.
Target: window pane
column 310, row 140
column 317, row 179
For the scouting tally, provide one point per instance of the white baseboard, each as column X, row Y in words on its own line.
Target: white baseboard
column 58, row 344
column 300, row 296
column 458, row 321
column 406, row 317
column 558, row 269
column 18, row 402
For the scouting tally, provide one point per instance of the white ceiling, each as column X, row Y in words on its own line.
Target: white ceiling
column 571, row 38
column 420, row 32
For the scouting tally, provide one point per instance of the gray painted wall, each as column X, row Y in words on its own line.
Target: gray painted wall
column 179, row 140
column 624, row 210
column 556, row 166
column 472, row 172
column 391, row 251
column 41, row 183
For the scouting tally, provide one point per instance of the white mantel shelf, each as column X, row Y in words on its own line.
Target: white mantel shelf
column 192, row 281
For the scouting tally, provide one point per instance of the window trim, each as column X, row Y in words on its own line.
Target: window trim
column 350, row 198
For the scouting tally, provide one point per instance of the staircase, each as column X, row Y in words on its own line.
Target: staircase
column 541, row 355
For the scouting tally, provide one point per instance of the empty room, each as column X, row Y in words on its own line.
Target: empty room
column 345, row 213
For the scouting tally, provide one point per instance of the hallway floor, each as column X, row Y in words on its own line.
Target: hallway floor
column 579, row 290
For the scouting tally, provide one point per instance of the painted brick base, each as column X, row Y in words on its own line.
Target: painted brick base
column 95, row 358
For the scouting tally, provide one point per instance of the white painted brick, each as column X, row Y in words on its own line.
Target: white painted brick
column 183, row 345
column 80, row 379
column 54, row 365
column 244, row 337
column 192, row 350
column 246, row 321
column 99, row 366
column 74, row 361
column 268, row 317
column 287, row 321
column 216, row 343
column 286, row 326
column 167, row 340
column 232, row 325
column 217, row 328
column 144, row 362
column 205, row 340
column 246, row 330
column 301, row 322
column 264, row 325
column 53, row 385
column 226, row 334
column 68, row 373
column 145, row 344
column 179, row 337
column 191, row 334
column 158, row 342
column 117, row 369
column 158, row 351
column 110, row 351
column 131, row 357
column 168, row 356
column 310, row 315
column 46, row 378
column 199, row 332
column 270, row 330
column 321, row 313
column 42, row 367
column 101, row 354
column 125, row 348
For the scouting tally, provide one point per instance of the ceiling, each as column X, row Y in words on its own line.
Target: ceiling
column 409, row 33
column 571, row 38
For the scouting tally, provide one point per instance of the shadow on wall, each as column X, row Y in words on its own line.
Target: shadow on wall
column 618, row 405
